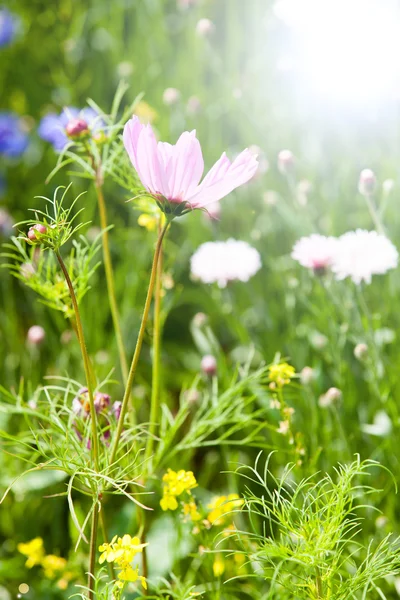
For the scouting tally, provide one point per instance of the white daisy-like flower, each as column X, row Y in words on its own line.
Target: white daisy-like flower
column 222, row 262
column 315, row 251
column 361, row 254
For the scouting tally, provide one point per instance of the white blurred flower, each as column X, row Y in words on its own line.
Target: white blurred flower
column 315, row 251
column 285, row 161
column 171, row 96
column 222, row 262
column 35, row 335
column 204, row 27
column 361, row 254
column 367, row 182
column 381, row 426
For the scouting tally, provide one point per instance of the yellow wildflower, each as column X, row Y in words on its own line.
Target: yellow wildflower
column 148, row 221
column 53, row 565
column 168, row 503
column 281, row 374
column 145, row 112
column 190, row 510
column 221, row 506
column 218, row 565
column 128, row 573
column 34, row 550
column 121, row 550
column 175, row 484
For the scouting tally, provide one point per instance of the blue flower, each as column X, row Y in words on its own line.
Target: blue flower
column 13, row 140
column 52, row 126
column 8, row 27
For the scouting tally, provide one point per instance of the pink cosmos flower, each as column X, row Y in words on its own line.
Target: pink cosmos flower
column 315, row 252
column 172, row 173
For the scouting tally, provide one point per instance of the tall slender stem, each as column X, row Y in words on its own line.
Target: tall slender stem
column 92, row 554
column 86, row 361
column 155, row 379
column 94, row 440
column 110, row 280
column 374, row 213
column 139, row 343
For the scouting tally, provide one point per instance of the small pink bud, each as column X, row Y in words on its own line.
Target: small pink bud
column 35, row 335
column 332, row 396
column 193, row 105
column 76, row 127
column 285, row 161
column 361, row 352
column 367, row 182
column 171, row 96
column 209, row 365
column 116, row 409
column 27, row 270
column 39, row 228
column 200, row 319
column 204, row 27
column 307, row 375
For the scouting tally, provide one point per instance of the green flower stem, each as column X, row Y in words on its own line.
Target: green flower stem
column 374, row 213
column 92, row 555
column 155, row 379
column 86, row 361
column 139, row 342
column 110, row 281
column 94, row 440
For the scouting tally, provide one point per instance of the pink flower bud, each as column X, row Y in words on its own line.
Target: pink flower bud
column 193, row 105
column 285, row 161
column 35, row 335
column 200, row 319
column 209, row 365
column 367, row 182
column 116, row 409
column 361, row 351
column 171, row 96
column 330, row 397
column 39, row 228
column 76, row 127
column 204, row 27
column 101, row 402
column 307, row 375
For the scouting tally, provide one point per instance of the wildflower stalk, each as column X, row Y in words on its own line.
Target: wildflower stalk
column 374, row 213
column 110, row 278
column 86, row 361
column 92, row 554
column 139, row 342
column 155, row 379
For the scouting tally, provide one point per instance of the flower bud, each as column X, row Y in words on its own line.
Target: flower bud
column 367, row 182
column 101, row 402
column 27, row 270
column 39, row 228
column 307, row 375
column 204, row 27
column 35, row 335
column 76, row 128
column 285, row 161
column 171, row 96
column 200, row 319
column 193, row 105
column 209, row 365
column 361, row 352
column 330, row 397
column 116, row 409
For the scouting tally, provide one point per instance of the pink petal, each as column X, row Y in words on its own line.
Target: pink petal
column 187, row 166
column 149, row 163
column 131, row 134
column 224, row 177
